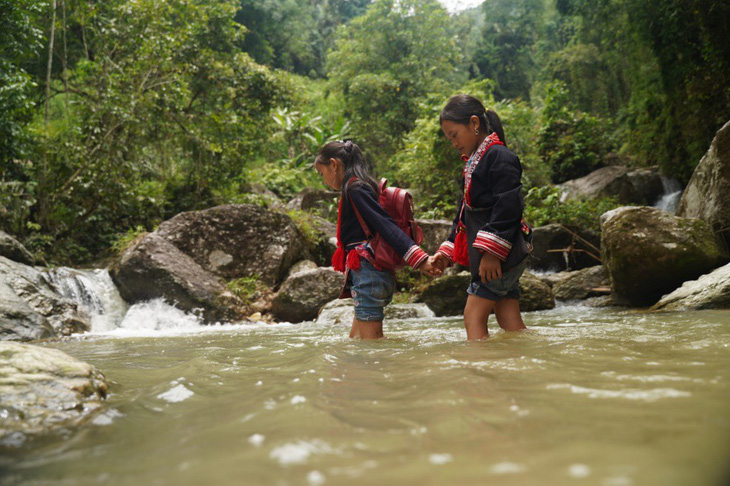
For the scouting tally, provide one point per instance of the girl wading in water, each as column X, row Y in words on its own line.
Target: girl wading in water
column 488, row 234
column 343, row 167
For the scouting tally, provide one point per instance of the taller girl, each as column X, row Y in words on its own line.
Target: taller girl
column 488, row 234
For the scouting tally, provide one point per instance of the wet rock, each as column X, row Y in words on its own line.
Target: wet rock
column 303, row 294
column 154, row 268
column 648, row 252
column 342, row 311
column 535, row 294
column 435, row 232
column 44, row 390
column 446, row 295
column 602, row 301
column 710, row 291
column 582, row 284
column 629, row 186
column 559, row 237
column 234, row 241
column 31, row 308
column 12, row 249
column 707, row 195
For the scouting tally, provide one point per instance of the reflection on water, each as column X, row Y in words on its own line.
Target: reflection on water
column 593, row 397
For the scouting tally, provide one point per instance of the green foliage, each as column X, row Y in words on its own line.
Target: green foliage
column 543, row 206
column 306, row 226
column 248, row 289
column 386, row 61
column 124, row 240
column 571, row 143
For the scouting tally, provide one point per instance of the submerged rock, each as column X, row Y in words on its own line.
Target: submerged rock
column 154, row 268
column 535, row 294
column 44, row 390
column 707, row 195
column 446, row 296
column 710, row 291
column 30, row 307
column 342, row 311
column 582, row 284
column 629, row 186
column 12, row 249
column 649, row 252
column 304, row 293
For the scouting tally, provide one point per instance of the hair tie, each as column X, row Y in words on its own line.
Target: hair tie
column 348, row 146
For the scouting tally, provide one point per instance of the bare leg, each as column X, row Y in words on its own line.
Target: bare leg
column 366, row 329
column 476, row 313
column 507, row 312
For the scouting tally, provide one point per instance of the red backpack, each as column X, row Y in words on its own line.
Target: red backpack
column 398, row 203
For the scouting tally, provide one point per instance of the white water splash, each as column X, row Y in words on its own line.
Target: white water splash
column 176, row 394
column 672, row 194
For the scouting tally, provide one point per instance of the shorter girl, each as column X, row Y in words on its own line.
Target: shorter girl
column 343, row 167
column 488, row 234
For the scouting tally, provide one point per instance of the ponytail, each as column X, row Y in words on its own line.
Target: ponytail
column 347, row 152
column 460, row 108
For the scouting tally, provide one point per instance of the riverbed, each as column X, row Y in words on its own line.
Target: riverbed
column 607, row 397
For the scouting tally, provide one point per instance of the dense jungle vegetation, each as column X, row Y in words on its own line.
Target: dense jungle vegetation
column 118, row 114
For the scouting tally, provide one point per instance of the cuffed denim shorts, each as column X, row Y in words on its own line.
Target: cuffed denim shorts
column 371, row 290
column 507, row 287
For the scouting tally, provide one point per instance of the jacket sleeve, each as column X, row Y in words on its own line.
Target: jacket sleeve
column 380, row 222
column 503, row 172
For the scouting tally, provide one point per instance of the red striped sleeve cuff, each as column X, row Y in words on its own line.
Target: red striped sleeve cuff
column 447, row 249
column 415, row 256
column 493, row 244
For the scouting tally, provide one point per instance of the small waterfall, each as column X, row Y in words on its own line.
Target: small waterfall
column 672, row 194
column 95, row 291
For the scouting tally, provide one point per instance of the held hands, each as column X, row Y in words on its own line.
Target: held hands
column 490, row 267
column 427, row 268
column 440, row 261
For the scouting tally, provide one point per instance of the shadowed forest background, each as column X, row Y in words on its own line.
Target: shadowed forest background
column 118, row 114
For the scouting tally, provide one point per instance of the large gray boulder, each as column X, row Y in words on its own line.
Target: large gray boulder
column 44, row 390
column 582, row 284
column 629, row 186
column 648, row 252
column 303, row 294
column 535, row 294
column 707, row 195
column 435, row 232
column 14, row 250
column 342, row 311
column 152, row 267
column 546, row 239
column 446, row 296
column 31, row 308
column 234, row 241
column 710, row 291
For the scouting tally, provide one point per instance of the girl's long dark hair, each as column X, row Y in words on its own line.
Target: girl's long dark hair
column 354, row 161
column 460, row 109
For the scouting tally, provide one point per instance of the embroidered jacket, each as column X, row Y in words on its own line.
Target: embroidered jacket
column 495, row 183
column 379, row 221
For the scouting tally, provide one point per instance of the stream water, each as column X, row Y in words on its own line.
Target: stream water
column 604, row 397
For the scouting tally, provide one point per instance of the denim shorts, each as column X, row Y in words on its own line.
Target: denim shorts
column 371, row 290
column 507, row 287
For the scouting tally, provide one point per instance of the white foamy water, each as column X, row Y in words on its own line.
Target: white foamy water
column 672, row 194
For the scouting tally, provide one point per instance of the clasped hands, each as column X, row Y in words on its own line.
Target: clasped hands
column 490, row 267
